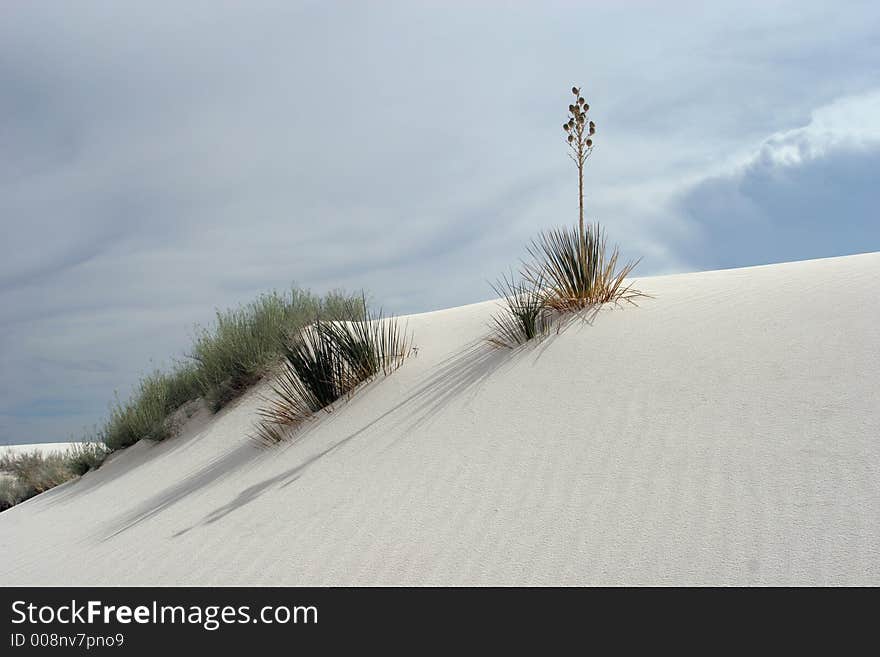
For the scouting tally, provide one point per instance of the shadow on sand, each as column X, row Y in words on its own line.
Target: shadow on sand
column 217, row 469
column 462, row 373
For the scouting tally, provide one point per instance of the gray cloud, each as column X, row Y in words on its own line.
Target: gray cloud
column 806, row 193
column 158, row 161
column 772, row 213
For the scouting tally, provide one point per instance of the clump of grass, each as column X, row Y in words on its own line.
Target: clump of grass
column 577, row 269
column 11, row 492
column 27, row 474
column 83, row 457
column 327, row 361
column 245, row 342
column 35, row 471
column 146, row 414
column 525, row 314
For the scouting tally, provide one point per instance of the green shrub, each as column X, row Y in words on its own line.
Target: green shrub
column 83, row 457
column 244, row 342
column 11, row 491
column 227, row 358
column 146, row 414
column 26, row 474
column 326, row 361
column 35, row 471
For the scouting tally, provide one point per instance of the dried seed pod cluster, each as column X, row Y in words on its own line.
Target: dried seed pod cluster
column 579, row 128
column 579, row 131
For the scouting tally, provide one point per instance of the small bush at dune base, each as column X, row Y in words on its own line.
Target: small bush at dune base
column 27, row 474
column 84, row 457
column 327, row 361
column 12, row 492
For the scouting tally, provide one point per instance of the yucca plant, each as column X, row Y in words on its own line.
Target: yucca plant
column 577, row 265
column 576, row 272
column 327, row 361
column 318, row 366
column 309, row 380
column 525, row 314
column 370, row 346
column 570, row 268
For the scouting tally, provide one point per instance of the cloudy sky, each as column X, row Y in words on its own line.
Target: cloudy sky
column 159, row 159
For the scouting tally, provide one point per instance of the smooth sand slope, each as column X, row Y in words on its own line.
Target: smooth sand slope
column 725, row 432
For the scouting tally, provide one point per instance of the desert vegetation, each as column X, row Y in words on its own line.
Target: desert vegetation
column 579, row 130
column 526, row 315
column 26, row 474
column 576, row 270
column 147, row 414
column 568, row 269
column 243, row 345
column 225, row 360
column 236, row 351
column 326, row 361
column 320, row 349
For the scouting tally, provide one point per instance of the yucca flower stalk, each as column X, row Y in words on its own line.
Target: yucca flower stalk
column 579, row 131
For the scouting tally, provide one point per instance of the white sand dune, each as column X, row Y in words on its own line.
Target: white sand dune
column 726, row 431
